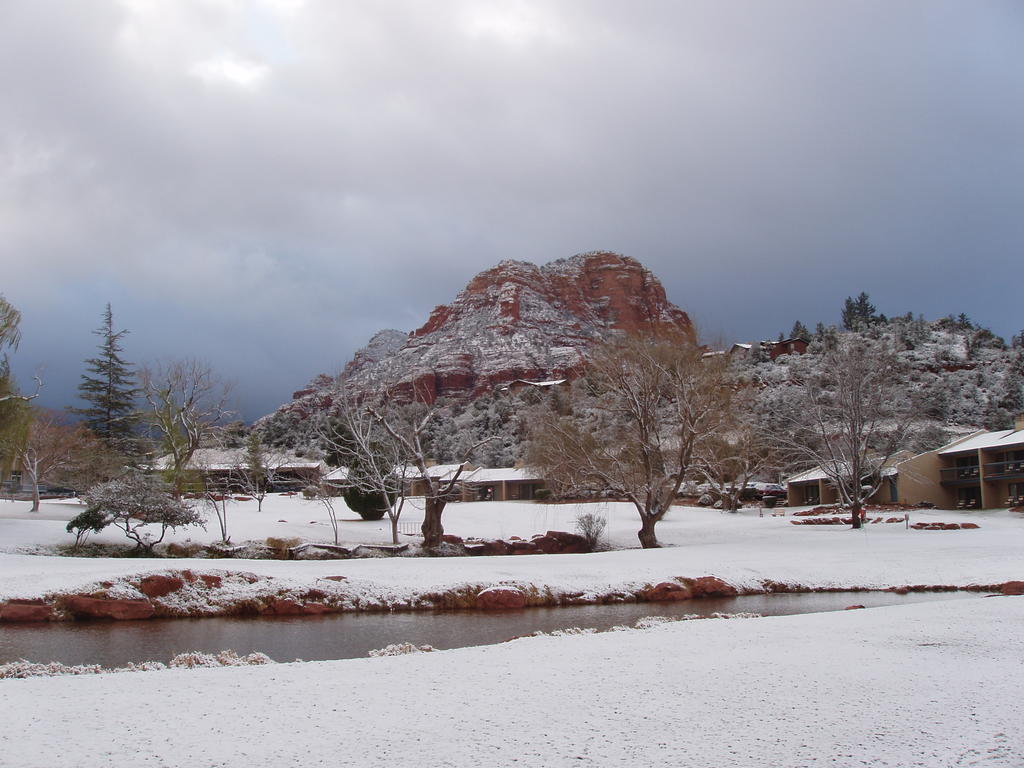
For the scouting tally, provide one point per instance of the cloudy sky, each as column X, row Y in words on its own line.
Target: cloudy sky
column 264, row 184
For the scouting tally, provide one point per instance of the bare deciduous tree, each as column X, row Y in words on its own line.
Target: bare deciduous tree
column 653, row 405
column 44, row 448
column 259, row 468
column 377, row 464
column 407, row 427
column 729, row 461
column 186, row 400
column 325, row 495
column 847, row 416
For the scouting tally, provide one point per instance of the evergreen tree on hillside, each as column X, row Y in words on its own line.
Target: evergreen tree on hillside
column 800, row 332
column 859, row 313
column 109, row 388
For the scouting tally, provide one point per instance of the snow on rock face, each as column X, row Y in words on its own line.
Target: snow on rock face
column 500, row 598
column 521, row 321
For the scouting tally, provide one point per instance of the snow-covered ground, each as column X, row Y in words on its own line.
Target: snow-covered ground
column 930, row 685
column 922, row 685
column 741, row 548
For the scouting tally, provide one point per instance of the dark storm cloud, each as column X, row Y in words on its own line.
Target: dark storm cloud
column 265, row 184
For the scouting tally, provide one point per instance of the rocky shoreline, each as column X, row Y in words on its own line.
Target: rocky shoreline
column 188, row 594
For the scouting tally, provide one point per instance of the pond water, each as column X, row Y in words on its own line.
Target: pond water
column 353, row 635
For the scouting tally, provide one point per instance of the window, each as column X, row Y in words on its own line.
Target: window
column 1015, row 495
column 812, row 494
column 966, row 467
column 968, row 498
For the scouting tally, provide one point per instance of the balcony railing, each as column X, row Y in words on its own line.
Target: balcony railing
column 1004, row 469
column 960, row 474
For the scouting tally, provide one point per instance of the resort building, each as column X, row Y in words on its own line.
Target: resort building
column 984, row 470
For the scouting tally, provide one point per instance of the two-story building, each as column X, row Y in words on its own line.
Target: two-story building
column 986, row 470
column 983, row 470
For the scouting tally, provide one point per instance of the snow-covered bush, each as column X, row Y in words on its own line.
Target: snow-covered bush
column 91, row 520
column 188, row 660
column 194, row 659
column 591, row 527
column 401, row 649
column 138, row 500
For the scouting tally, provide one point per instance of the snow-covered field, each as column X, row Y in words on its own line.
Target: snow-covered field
column 929, row 685
column 741, row 548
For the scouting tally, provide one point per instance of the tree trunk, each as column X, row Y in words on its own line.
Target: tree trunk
column 646, row 534
column 432, row 528
column 855, row 514
column 394, row 529
column 32, row 470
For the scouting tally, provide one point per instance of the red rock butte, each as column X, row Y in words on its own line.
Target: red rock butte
column 521, row 321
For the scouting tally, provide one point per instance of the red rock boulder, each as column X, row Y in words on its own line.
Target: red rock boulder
column 283, row 607
column 159, row 586
column 568, row 543
column 210, row 580
column 84, row 607
column 488, row 547
column 500, row 598
column 667, row 592
column 1013, row 588
column 520, row 547
column 711, row 586
column 316, row 609
column 25, row 610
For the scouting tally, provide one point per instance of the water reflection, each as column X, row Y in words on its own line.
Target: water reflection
column 345, row 636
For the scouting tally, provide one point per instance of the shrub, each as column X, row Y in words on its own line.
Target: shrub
column 92, row 520
column 368, row 505
column 137, row 500
column 400, row 649
column 591, row 528
column 281, row 546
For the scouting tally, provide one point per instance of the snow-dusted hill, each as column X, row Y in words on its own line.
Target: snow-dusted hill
column 514, row 321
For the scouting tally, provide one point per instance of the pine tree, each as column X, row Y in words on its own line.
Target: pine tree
column 859, row 313
column 800, row 332
column 109, row 389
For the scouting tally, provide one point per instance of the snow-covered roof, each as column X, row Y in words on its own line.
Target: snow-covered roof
column 501, row 474
column 230, row 458
column 440, row 471
column 1004, row 438
column 808, row 475
column 337, row 475
column 524, row 382
column 817, row 473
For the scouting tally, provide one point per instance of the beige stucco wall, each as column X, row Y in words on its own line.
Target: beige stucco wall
column 919, row 480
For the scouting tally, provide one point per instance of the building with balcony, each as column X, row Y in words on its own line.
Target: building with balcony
column 983, row 470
